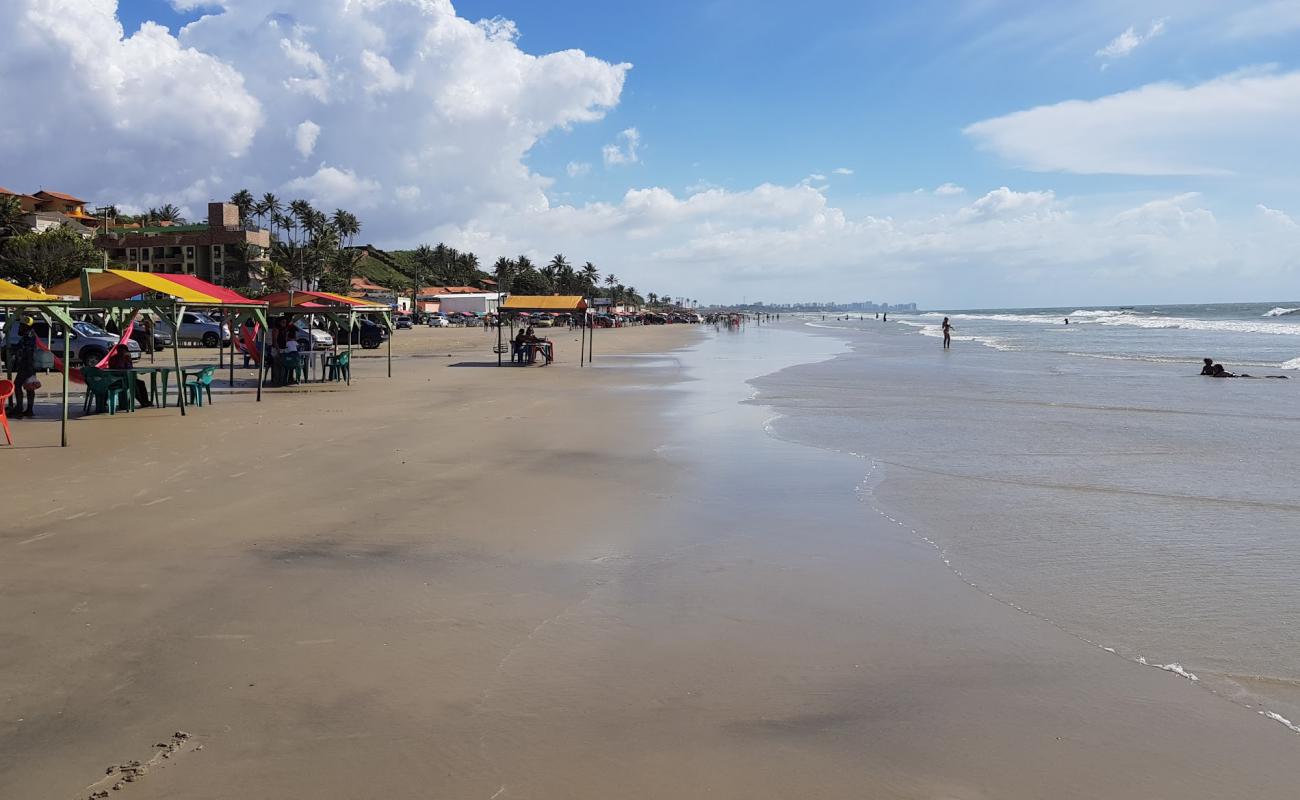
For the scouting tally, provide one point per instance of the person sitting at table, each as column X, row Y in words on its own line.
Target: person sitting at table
column 120, row 358
column 531, row 345
column 520, row 350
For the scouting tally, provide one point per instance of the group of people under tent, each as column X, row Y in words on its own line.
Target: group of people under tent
column 527, row 344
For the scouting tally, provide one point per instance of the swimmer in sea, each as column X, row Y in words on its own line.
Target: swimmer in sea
column 947, row 334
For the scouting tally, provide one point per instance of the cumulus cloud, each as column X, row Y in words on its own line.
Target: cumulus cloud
column 304, row 137
column 949, row 189
column 1237, row 123
column 1004, row 203
column 69, row 75
column 332, row 188
column 624, row 150
column 1130, row 40
column 576, row 169
column 401, row 94
column 1277, row 216
column 842, row 171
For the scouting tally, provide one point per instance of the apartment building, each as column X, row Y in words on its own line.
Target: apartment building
column 208, row 250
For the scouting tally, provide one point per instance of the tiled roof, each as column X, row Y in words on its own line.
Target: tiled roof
column 60, row 196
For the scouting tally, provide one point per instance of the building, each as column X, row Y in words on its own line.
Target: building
column 210, row 250
column 48, row 209
column 453, row 299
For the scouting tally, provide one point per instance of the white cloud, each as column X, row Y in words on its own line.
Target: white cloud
column 1003, row 203
column 404, row 93
column 1130, row 40
column 304, row 137
column 949, row 190
column 1238, row 123
column 842, row 171
column 625, row 153
column 331, row 187
column 816, row 176
column 576, row 169
column 1167, row 215
column 1277, row 216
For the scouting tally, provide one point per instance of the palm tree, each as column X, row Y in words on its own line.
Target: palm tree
column 244, row 200
column 503, row 270
column 272, row 207
column 590, row 276
column 168, row 213
column 347, row 225
column 653, row 298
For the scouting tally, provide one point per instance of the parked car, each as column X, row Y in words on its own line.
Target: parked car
column 403, row 323
column 197, row 327
column 162, row 339
column 89, row 343
column 368, row 334
column 542, row 321
column 317, row 339
column 438, row 321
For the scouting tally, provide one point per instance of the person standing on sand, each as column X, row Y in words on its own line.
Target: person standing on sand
column 947, row 333
column 25, row 383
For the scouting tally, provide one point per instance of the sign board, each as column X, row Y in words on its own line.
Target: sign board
column 602, row 301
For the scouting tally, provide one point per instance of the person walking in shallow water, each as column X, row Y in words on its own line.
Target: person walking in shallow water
column 947, row 333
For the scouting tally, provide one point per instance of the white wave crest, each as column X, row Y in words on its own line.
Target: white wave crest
column 1175, row 668
column 1282, row 312
column 1278, row 718
column 1292, row 364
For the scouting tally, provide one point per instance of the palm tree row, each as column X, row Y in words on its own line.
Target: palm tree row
column 309, row 248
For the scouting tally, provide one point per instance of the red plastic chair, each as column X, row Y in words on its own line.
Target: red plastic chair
column 6, row 390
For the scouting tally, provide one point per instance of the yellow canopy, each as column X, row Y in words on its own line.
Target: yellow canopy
column 9, row 291
column 524, row 302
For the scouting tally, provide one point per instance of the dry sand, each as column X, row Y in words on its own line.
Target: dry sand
column 543, row 583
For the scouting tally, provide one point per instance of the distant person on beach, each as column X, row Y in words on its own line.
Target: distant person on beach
column 1067, row 320
column 886, row 319
column 947, row 333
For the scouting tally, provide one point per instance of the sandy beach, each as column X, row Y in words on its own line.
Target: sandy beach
column 555, row 582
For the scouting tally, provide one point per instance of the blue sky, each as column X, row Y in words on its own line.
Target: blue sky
column 1116, row 190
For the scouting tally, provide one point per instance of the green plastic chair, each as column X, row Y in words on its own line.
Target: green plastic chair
column 106, row 391
column 339, row 367
column 291, row 365
column 195, row 389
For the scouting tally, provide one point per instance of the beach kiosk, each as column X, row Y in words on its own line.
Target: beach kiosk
column 522, row 305
column 16, row 300
column 119, row 293
column 345, row 312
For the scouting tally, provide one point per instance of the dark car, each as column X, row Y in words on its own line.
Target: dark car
column 368, row 334
column 162, row 339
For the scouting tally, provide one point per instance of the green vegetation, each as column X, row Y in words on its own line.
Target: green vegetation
column 47, row 258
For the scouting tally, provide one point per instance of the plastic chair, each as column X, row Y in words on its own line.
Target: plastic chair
column 202, row 383
column 6, row 391
column 105, row 390
column 339, row 367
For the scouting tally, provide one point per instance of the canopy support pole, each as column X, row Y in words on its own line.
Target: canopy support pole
column 177, row 313
column 262, row 320
column 67, row 376
column 352, row 325
column 512, row 356
column 391, row 331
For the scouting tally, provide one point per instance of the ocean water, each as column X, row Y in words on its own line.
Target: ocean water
column 1239, row 334
column 1089, row 477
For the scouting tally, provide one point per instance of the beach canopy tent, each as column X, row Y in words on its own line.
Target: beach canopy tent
column 526, row 305
column 555, row 304
column 345, row 312
column 120, row 293
column 16, row 300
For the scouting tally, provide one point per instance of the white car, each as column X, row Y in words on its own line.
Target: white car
column 319, row 339
column 437, row 321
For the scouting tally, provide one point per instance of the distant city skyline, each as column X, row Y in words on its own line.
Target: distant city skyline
column 960, row 154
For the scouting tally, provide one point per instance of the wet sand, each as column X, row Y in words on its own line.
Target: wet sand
column 543, row 583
